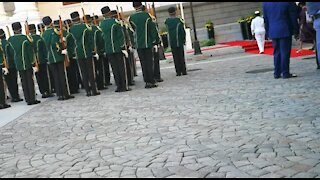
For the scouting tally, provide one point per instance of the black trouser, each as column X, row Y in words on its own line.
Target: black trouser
column 117, row 62
column 12, row 83
column 156, row 64
column 86, row 67
column 60, row 80
column 129, row 67
column 106, row 69
column 146, row 61
column 28, row 85
column 2, row 91
column 43, row 79
column 52, row 84
column 98, row 66
column 179, row 61
column 73, row 79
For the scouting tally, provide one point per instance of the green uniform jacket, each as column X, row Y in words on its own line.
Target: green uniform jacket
column 82, row 34
column 144, row 28
column 131, row 36
column 7, row 50
column 22, row 49
column 55, row 48
column 98, row 40
column 176, row 32
column 1, row 57
column 71, row 44
column 113, row 35
column 40, row 49
column 47, row 39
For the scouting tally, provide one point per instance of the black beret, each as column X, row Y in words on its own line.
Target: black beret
column 56, row 23
column 39, row 28
column 96, row 17
column 113, row 13
column 74, row 15
column 171, row 10
column 68, row 21
column 32, row 27
column 47, row 20
column 16, row 26
column 2, row 32
column 105, row 10
column 87, row 16
column 137, row 4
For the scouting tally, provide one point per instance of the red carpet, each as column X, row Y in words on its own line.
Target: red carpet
column 251, row 47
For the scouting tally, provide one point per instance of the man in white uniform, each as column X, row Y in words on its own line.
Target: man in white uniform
column 258, row 30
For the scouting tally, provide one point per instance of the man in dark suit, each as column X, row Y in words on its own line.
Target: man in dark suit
column 281, row 23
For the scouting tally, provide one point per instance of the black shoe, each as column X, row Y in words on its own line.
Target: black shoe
column 184, row 74
column 178, row 74
column 109, row 84
column 276, row 77
column 16, row 100
column 129, row 89
column 60, row 98
column 30, row 103
column 290, row 76
column 159, row 80
column 6, row 106
column 131, row 84
column 36, row 102
column 96, row 93
column 50, row 95
column 45, row 96
column 318, row 67
column 69, row 97
column 117, row 90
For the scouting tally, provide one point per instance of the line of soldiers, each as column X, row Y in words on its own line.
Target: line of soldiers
column 73, row 52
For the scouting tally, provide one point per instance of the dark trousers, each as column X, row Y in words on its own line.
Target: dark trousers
column 129, row 67
column 43, row 79
column 106, row 69
column 281, row 55
column 2, row 91
column 146, row 61
column 156, row 64
column 117, row 62
column 88, row 79
column 179, row 60
column 28, row 85
column 52, row 84
column 98, row 66
column 60, row 80
column 12, row 83
column 73, row 79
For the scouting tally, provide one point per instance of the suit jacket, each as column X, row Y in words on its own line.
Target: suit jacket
column 280, row 19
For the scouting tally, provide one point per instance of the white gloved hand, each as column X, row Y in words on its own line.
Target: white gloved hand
column 64, row 52
column 125, row 53
column 155, row 48
column 35, row 69
column 5, row 71
column 64, row 39
column 96, row 56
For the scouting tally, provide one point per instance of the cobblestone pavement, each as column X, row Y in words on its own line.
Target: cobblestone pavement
column 218, row 121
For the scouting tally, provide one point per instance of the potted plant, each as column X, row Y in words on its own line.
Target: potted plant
column 210, row 29
column 164, row 36
column 245, row 24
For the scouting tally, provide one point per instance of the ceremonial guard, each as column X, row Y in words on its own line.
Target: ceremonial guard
column 103, row 57
column 73, row 68
column 10, row 78
column 24, row 59
column 144, row 28
column 41, row 52
column 84, row 48
column 177, row 39
column 4, row 67
column 99, row 51
column 115, row 47
column 41, row 29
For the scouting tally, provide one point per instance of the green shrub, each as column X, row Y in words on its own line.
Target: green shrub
column 207, row 42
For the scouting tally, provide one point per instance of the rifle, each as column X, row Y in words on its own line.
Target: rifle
column 84, row 16
column 26, row 25
column 66, row 59
column 8, row 31
column 178, row 10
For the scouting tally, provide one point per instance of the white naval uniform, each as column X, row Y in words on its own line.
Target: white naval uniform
column 257, row 28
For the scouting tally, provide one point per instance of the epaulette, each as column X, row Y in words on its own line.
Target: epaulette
column 182, row 20
column 99, row 28
column 56, row 31
column 89, row 27
column 119, row 22
column 30, row 38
